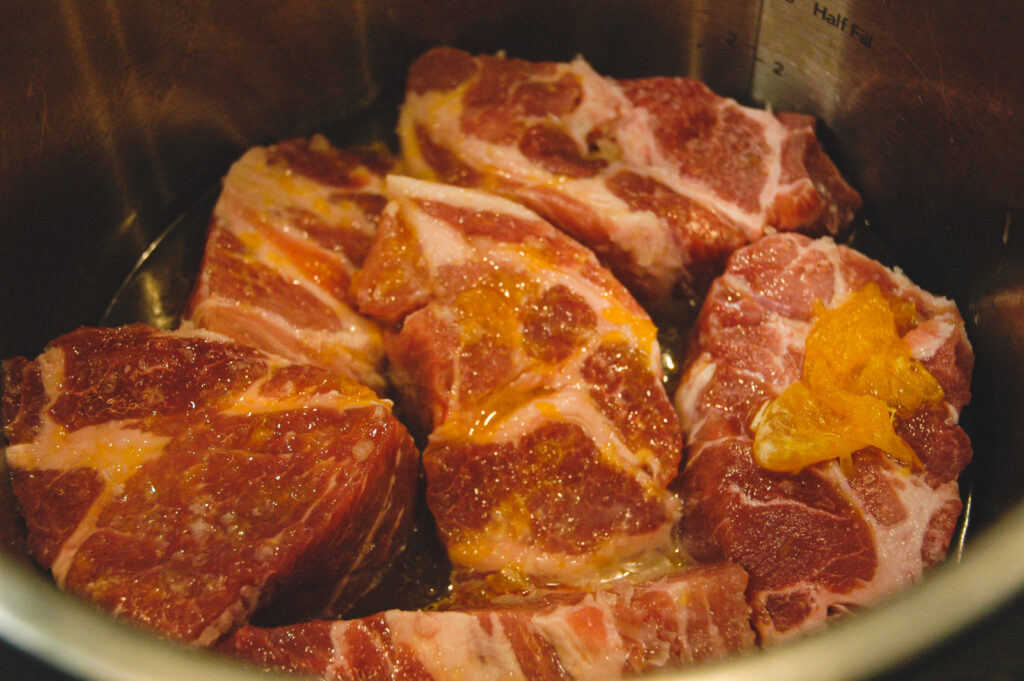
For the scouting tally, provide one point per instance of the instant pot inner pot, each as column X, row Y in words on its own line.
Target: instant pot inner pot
column 118, row 124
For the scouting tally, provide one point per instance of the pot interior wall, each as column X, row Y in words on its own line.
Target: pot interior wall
column 118, row 120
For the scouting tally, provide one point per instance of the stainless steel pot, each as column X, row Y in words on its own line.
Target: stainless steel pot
column 118, row 118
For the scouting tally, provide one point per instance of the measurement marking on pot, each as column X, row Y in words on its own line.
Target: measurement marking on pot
column 843, row 24
column 732, row 40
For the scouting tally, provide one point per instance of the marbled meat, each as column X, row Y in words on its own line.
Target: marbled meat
column 184, row 481
column 607, row 633
column 823, row 540
column 660, row 176
column 538, row 377
column 292, row 225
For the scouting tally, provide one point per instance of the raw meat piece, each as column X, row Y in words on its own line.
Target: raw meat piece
column 660, row 176
column 820, row 541
column 553, row 441
column 292, row 224
column 693, row 615
column 182, row 481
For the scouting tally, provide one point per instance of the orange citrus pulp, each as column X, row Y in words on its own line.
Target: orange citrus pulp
column 857, row 375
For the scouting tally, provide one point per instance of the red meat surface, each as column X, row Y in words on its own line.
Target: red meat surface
column 621, row 629
column 821, row 541
column 660, row 176
column 183, row 481
column 538, row 377
column 293, row 223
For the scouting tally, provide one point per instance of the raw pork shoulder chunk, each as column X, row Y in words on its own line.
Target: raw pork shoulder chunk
column 660, row 176
column 621, row 629
column 552, row 440
column 292, row 224
column 799, row 333
column 182, row 481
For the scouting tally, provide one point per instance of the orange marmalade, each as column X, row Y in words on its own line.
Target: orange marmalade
column 857, row 375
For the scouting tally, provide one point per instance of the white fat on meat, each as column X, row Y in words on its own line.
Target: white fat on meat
column 265, row 204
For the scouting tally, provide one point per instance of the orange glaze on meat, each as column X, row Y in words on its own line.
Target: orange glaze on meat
column 509, row 332
column 858, row 374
